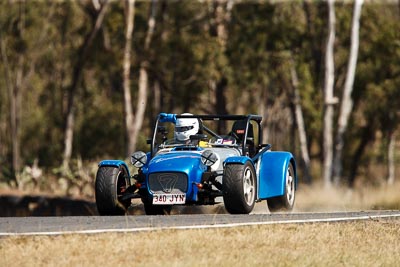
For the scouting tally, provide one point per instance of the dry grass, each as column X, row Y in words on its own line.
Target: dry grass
column 318, row 198
column 362, row 243
column 369, row 243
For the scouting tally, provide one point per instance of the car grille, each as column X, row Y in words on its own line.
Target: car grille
column 168, row 183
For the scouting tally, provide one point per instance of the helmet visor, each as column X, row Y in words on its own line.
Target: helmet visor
column 180, row 129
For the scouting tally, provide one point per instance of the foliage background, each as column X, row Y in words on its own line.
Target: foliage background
column 40, row 43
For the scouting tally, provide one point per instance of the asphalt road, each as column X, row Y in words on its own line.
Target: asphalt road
column 98, row 224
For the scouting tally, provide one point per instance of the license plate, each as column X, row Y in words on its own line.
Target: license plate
column 168, row 199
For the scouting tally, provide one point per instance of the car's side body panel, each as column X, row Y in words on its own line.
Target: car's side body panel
column 273, row 167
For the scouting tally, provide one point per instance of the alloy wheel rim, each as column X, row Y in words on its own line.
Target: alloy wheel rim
column 248, row 187
column 289, row 187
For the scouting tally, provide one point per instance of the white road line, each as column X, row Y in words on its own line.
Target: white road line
column 210, row 226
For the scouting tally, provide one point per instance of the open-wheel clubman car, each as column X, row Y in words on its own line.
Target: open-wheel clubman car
column 200, row 163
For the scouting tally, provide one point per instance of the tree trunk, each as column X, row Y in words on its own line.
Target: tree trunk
column 10, row 91
column 15, row 118
column 14, row 94
column 129, row 119
column 143, row 78
column 16, row 83
column 222, row 16
column 156, row 98
column 14, row 88
column 300, row 123
column 311, row 10
column 7, row 78
column 366, row 137
column 391, row 159
column 347, row 102
column 76, row 77
column 159, row 88
column 329, row 99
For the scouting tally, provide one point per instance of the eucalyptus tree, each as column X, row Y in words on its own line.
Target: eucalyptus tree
column 329, row 99
column 22, row 35
column 129, row 116
column 143, row 86
column 82, row 56
column 346, row 104
column 15, row 79
column 219, row 25
column 376, row 97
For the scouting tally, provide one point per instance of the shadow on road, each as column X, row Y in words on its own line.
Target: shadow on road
column 40, row 205
column 22, row 206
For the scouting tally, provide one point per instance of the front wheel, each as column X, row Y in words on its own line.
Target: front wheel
column 285, row 202
column 111, row 183
column 239, row 188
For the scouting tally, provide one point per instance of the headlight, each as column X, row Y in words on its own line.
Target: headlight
column 138, row 159
column 208, row 158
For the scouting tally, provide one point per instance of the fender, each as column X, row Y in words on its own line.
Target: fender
column 273, row 173
column 237, row 160
column 114, row 163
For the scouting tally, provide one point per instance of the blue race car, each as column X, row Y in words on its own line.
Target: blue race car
column 201, row 164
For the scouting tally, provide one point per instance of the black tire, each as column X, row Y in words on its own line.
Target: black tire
column 239, row 188
column 110, row 184
column 284, row 203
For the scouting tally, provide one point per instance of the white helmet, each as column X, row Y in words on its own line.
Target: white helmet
column 185, row 127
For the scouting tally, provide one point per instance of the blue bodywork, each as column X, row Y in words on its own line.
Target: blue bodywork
column 187, row 162
column 114, row 163
column 273, row 167
column 271, row 177
column 204, row 183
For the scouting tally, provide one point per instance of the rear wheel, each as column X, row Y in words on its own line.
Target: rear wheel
column 239, row 188
column 111, row 183
column 285, row 202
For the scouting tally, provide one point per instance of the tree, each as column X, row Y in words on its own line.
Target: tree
column 220, row 56
column 376, row 96
column 391, row 158
column 141, row 102
column 15, row 83
column 134, row 122
column 346, row 105
column 129, row 118
column 76, row 79
column 219, row 29
column 329, row 99
column 300, row 122
column 14, row 95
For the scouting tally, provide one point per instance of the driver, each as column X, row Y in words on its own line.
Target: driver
column 185, row 127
